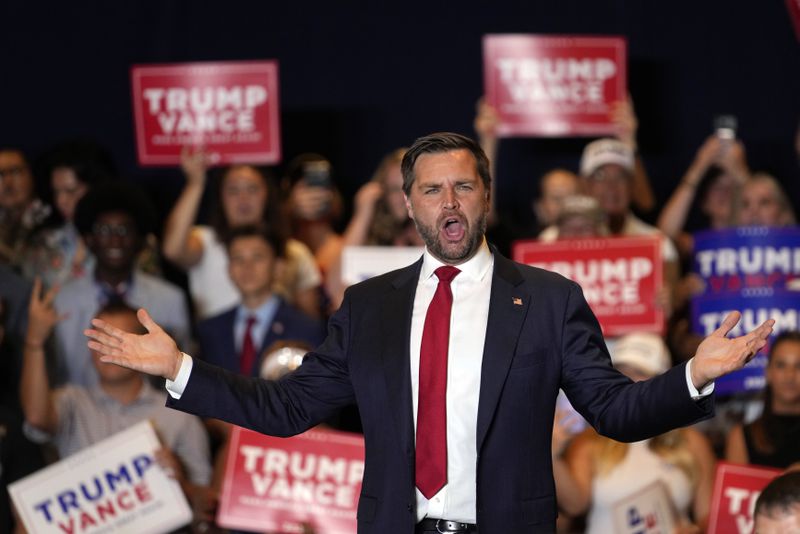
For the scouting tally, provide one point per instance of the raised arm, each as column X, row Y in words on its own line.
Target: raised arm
column 673, row 217
column 485, row 124
column 35, row 393
column 180, row 245
column 626, row 125
column 365, row 202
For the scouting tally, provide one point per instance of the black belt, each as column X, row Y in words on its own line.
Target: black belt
column 444, row 526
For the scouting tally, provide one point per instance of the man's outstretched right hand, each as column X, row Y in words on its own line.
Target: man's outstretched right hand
column 154, row 353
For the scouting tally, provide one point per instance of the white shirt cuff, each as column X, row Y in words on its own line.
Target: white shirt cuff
column 707, row 390
column 175, row 388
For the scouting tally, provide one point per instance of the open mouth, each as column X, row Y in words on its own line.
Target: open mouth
column 453, row 229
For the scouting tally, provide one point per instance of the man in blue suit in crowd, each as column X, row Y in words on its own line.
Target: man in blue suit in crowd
column 456, row 404
column 236, row 338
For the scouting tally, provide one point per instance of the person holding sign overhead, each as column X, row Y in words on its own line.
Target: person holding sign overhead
column 455, row 363
column 246, row 196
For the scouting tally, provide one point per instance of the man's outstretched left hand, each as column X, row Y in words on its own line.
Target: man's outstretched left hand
column 719, row 355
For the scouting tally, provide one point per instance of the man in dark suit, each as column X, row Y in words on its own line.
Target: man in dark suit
column 254, row 254
column 457, row 405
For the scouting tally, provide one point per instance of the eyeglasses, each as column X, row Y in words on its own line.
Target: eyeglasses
column 108, row 230
column 13, row 171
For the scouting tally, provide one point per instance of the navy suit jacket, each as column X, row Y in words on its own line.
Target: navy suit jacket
column 541, row 335
column 218, row 347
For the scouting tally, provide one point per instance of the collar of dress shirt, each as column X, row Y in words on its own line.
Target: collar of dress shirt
column 263, row 313
column 474, row 268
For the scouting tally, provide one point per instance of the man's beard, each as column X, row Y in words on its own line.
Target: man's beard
column 453, row 253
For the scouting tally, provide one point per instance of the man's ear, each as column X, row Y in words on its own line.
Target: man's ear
column 408, row 207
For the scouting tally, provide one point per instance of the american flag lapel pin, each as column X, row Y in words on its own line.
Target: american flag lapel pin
column 517, row 301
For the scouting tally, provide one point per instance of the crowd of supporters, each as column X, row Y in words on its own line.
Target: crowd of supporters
column 263, row 268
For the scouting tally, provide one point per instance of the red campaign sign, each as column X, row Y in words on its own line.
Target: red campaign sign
column 286, row 484
column 556, row 85
column 736, row 489
column 231, row 108
column 621, row 277
column 794, row 13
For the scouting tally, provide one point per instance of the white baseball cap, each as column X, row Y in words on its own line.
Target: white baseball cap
column 603, row 152
column 645, row 351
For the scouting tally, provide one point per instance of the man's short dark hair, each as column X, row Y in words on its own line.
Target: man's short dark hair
column 781, row 496
column 272, row 237
column 107, row 197
column 118, row 306
column 438, row 143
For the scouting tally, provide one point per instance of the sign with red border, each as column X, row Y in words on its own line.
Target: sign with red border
column 736, row 489
column 621, row 277
column 554, row 85
column 288, row 484
column 230, row 108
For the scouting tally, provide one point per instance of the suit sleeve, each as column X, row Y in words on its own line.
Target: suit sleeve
column 289, row 406
column 612, row 403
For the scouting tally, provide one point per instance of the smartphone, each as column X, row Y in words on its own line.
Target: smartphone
column 317, row 174
column 725, row 126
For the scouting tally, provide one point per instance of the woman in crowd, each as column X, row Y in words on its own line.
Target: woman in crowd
column 245, row 196
column 606, row 471
column 56, row 252
column 715, row 177
column 314, row 206
column 774, row 438
column 380, row 216
column 21, row 211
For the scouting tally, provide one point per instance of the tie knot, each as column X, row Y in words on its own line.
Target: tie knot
column 251, row 320
column 446, row 273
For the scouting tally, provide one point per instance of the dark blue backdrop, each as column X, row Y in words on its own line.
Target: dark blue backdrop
column 358, row 79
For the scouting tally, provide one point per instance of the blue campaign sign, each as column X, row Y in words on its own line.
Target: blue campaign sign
column 733, row 259
column 756, row 306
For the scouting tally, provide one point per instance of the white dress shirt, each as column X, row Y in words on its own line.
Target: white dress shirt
column 470, row 313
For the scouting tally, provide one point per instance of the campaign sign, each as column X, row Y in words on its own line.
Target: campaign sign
column 114, row 486
column 554, row 85
column 287, row 484
column 648, row 511
column 748, row 257
column 230, row 108
column 736, row 489
column 621, row 277
column 360, row 263
column 756, row 306
column 794, row 13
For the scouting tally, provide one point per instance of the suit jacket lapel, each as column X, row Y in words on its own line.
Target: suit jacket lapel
column 275, row 329
column 396, row 310
column 507, row 310
column 228, row 341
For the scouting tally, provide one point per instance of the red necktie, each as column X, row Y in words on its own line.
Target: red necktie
column 431, row 456
column 248, row 355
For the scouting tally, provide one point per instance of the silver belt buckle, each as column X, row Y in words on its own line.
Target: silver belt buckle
column 450, row 526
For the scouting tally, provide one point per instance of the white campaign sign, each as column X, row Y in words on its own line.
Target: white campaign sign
column 114, row 486
column 360, row 263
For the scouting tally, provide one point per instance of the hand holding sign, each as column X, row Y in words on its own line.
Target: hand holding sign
column 154, row 353
column 194, row 163
column 718, row 355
